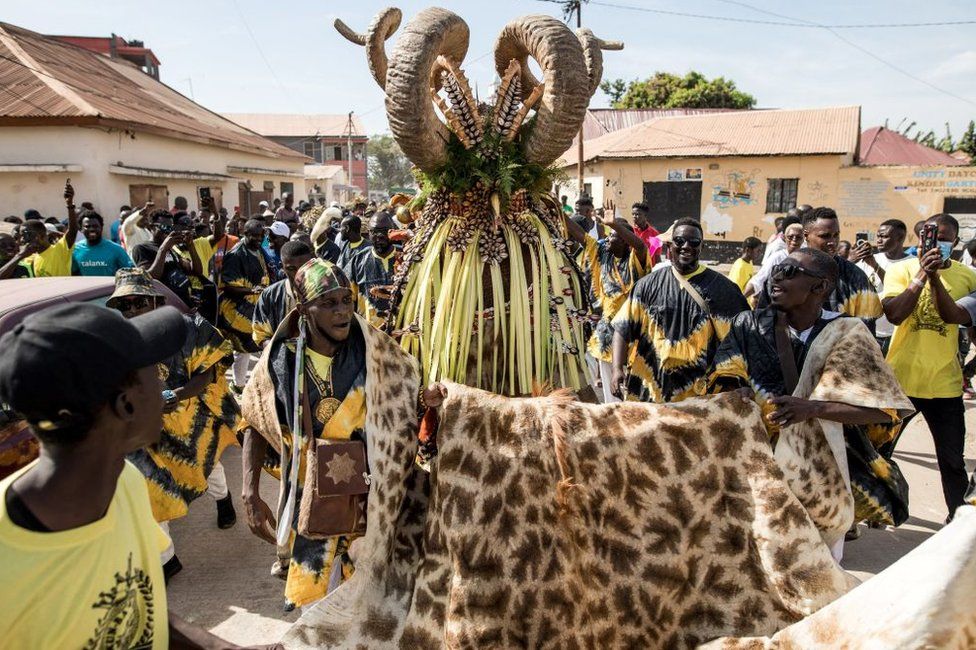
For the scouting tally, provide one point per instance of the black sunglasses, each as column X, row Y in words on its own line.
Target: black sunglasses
column 136, row 302
column 694, row 242
column 788, row 271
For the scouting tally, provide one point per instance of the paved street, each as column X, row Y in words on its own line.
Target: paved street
column 226, row 584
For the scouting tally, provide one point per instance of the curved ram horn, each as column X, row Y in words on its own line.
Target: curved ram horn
column 379, row 31
column 567, row 91
column 412, row 73
column 593, row 53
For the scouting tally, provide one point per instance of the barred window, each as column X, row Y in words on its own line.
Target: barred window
column 781, row 195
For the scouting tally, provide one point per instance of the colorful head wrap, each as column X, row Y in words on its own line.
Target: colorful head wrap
column 317, row 277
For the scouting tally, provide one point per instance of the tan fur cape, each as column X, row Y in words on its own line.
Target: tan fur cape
column 553, row 523
column 924, row 600
column 844, row 364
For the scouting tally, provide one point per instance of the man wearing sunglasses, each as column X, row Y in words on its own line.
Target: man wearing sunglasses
column 792, row 235
column 371, row 270
column 200, row 415
column 671, row 323
column 796, row 356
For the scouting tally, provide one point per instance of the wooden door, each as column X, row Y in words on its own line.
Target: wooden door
column 671, row 200
column 216, row 193
column 158, row 194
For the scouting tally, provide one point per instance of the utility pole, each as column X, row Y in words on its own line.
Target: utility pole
column 579, row 148
column 349, row 146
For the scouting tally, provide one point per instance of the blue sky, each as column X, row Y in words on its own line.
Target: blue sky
column 311, row 69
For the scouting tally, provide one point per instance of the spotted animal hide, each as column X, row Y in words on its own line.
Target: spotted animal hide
column 556, row 524
column 923, row 600
column 844, row 365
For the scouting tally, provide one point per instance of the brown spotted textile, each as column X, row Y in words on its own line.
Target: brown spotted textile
column 553, row 523
column 924, row 600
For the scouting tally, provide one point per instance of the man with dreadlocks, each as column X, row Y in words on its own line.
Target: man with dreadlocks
column 613, row 264
column 310, row 385
column 371, row 270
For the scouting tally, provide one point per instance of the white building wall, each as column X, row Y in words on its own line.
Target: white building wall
column 95, row 150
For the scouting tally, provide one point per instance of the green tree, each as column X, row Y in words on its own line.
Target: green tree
column 667, row 90
column 946, row 144
column 386, row 164
column 967, row 142
column 614, row 89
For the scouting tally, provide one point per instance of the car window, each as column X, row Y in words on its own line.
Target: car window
column 101, row 301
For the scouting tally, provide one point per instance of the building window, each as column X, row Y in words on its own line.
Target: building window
column 288, row 187
column 313, row 149
column 781, row 195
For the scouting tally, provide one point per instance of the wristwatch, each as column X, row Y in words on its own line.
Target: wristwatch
column 169, row 396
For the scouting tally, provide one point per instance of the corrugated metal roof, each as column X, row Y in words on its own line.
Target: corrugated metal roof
column 297, row 124
column 614, row 119
column 45, row 81
column 881, row 146
column 739, row 133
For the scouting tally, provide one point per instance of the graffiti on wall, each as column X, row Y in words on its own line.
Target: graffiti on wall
column 817, row 193
column 735, row 187
column 863, row 198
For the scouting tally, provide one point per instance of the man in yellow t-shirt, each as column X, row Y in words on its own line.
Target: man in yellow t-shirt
column 924, row 348
column 39, row 258
column 744, row 267
column 81, row 567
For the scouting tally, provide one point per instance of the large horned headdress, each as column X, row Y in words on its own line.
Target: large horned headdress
column 486, row 292
column 427, row 58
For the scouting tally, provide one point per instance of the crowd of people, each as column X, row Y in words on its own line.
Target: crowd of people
column 130, row 424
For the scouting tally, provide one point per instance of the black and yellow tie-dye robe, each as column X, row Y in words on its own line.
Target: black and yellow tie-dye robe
column 672, row 340
column 748, row 357
column 273, row 305
column 612, row 278
column 194, row 435
column 242, row 268
column 854, row 295
column 371, row 275
column 18, row 446
column 347, row 251
column 312, row 560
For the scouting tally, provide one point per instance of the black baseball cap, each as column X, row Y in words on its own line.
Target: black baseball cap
column 71, row 358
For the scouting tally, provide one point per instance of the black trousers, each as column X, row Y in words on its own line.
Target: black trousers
column 946, row 419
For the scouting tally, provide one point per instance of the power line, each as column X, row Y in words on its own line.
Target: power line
column 793, row 23
column 829, row 29
column 257, row 46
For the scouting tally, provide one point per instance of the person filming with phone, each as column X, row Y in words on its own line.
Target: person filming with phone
column 38, row 258
column 924, row 346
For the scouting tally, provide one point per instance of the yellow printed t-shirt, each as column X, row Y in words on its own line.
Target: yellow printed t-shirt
column 741, row 272
column 97, row 586
column 54, row 261
column 924, row 347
